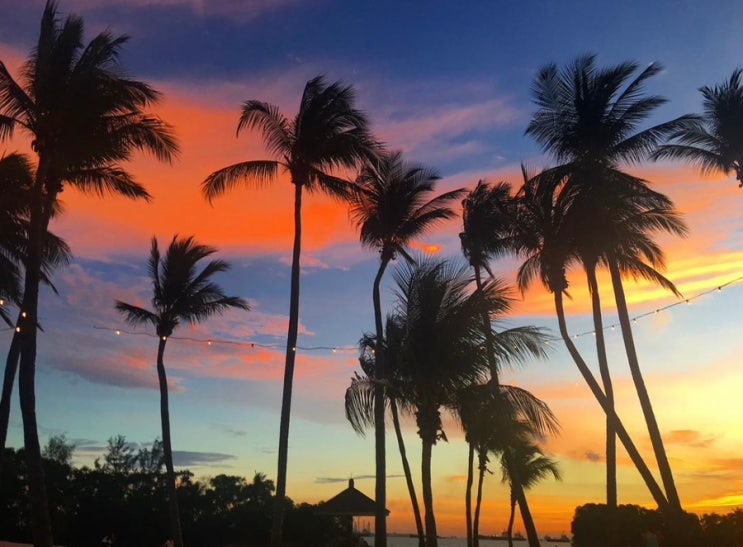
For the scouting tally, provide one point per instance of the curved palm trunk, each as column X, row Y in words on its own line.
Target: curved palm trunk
column 511, row 517
column 642, row 392
column 611, row 438
column 431, row 535
column 380, row 487
column 11, row 367
column 175, row 517
column 531, row 529
column 482, row 457
column 408, row 474
column 39, row 220
column 468, row 493
column 286, row 398
column 616, row 423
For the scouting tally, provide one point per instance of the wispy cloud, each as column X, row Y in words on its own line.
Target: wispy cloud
column 185, row 458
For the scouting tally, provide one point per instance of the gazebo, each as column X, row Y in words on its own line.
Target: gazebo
column 348, row 504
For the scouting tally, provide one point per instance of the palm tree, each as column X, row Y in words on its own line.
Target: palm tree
column 714, row 140
column 523, row 465
column 486, row 412
column 360, row 400
column 442, row 349
column 180, row 294
column 392, row 205
column 84, row 118
column 485, row 220
column 328, row 132
column 541, row 234
column 16, row 180
column 588, row 119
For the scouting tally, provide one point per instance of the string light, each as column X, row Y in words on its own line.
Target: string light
column 686, row 301
column 354, row 348
column 214, row 341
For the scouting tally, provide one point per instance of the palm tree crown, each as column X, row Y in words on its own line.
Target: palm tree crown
column 392, row 204
column 486, row 220
column 327, row 133
column 714, row 140
column 83, row 114
column 180, row 292
column 588, row 115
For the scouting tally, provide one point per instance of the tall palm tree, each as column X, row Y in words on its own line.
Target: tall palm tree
column 327, row 133
column 16, row 180
column 442, row 349
column 523, row 465
column 588, row 120
column 180, row 294
column 485, row 219
column 714, row 140
column 487, row 412
column 84, row 117
column 541, row 235
column 392, row 204
column 360, row 400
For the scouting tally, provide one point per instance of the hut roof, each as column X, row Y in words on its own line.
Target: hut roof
column 349, row 502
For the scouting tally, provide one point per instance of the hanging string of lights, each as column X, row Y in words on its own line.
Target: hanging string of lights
column 354, row 348
column 683, row 301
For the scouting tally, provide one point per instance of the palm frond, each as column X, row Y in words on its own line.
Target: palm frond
column 256, row 172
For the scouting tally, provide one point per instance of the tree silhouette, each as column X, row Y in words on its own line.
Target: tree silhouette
column 328, row 132
column 392, row 204
column 84, row 118
column 180, row 294
column 588, row 119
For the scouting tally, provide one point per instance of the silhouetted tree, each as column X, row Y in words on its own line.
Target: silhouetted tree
column 180, row 294
column 84, row 118
column 392, row 204
column 327, row 133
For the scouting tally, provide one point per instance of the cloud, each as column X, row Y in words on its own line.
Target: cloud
column 245, row 9
column 186, row 458
column 689, row 437
column 593, row 456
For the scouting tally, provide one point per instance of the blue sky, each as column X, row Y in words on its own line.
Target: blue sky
column 449, row 85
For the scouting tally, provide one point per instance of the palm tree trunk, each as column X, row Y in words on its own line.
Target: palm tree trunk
column 468, row 493
column 291, row 352
column 380, row 486
column 642, row 392
column 482, row 460
column 41, row 526
column 611, row 438
column 431, row 535
column 511, row 517
column 11, row 367
column 531, row 529
column 616, row 423
column 175, row 517
column 408, row 474
column 487, row 331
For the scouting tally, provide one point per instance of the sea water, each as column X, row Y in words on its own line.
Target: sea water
column 403, row 541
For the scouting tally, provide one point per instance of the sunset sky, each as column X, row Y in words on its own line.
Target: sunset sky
column 449, row 85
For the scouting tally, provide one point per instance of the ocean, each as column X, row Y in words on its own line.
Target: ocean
column 403, row 541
